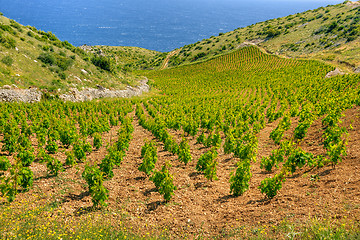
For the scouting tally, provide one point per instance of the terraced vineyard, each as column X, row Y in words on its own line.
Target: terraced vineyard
column 239, row 146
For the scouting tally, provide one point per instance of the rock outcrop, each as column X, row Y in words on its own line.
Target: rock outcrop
column 19, row 95
column 357, row 70
column 89, row 94
column 12, row 94
column 334, row 73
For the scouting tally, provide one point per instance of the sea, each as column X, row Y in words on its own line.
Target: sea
column 161, row 25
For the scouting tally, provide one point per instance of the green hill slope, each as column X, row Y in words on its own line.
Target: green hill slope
column 328, row 33
column 31, row 57
column 132, row 58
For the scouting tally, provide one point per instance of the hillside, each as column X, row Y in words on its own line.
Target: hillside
column 236, row 143
column 34, row 58
column 31, row 57
column 240, row 146
column 329, row 34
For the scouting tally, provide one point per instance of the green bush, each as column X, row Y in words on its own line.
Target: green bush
column 184, row 151
column 163, row 181
column 47, row 58
column 116, row 156
column 97, row 143
column 53, row 165
column 4, row 164
column 63, row 62
column 68, row 137
column 239, row 181
column 149, row 160
column 206, row 159
column 106, row 166
column 270, row 186
column 52, row 147
column 7, row 42
column 104, row 63
column 26, row 157
column 54, row 59
column 26, row 178
column 94, row 178
column 7, row 60
column 70, row 158
column 298, row 159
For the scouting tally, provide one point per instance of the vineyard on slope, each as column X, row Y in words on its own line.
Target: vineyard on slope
column 237, row 94
column 223, row 137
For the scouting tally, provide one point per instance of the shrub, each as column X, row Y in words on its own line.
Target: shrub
column 239, row 181
column 230, row 144
column 270, row 186
column 106, row 166
column 26, row 178
column 163, row 181
column 53, row 165
column 30, row 34
column 211, row 169
column 7, row 60
column 298, row 159
column 52, row 147
column 7, row 42
column 184, row 152
column 79, row 151
column 62, row 75
column 97, row 141
column 4, row 164
column 26, row 157
column 301, row 129
column 116, row 156
column 68, row 137
column 198, row 56
column 104, row 63
column 201, row 138
column 149, row 160
column 70, row 158
column 87, row 147
column 206, row 159
column 94, row 178
column 63, row 62
column 47, row 58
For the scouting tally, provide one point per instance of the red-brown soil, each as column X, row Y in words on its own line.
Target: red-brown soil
column 200, row 207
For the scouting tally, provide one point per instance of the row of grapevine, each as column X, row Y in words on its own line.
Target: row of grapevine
column 226, row 101
column 40, row 132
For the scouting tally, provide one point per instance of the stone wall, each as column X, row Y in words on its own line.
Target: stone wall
column 89, row 94
column 20, row 95
column 14, row 94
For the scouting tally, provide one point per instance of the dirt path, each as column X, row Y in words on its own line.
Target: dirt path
column 166, row 61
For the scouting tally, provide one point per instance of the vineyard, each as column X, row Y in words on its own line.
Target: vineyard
column 242, row 142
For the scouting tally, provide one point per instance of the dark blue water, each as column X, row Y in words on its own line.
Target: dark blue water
column 161, row 25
